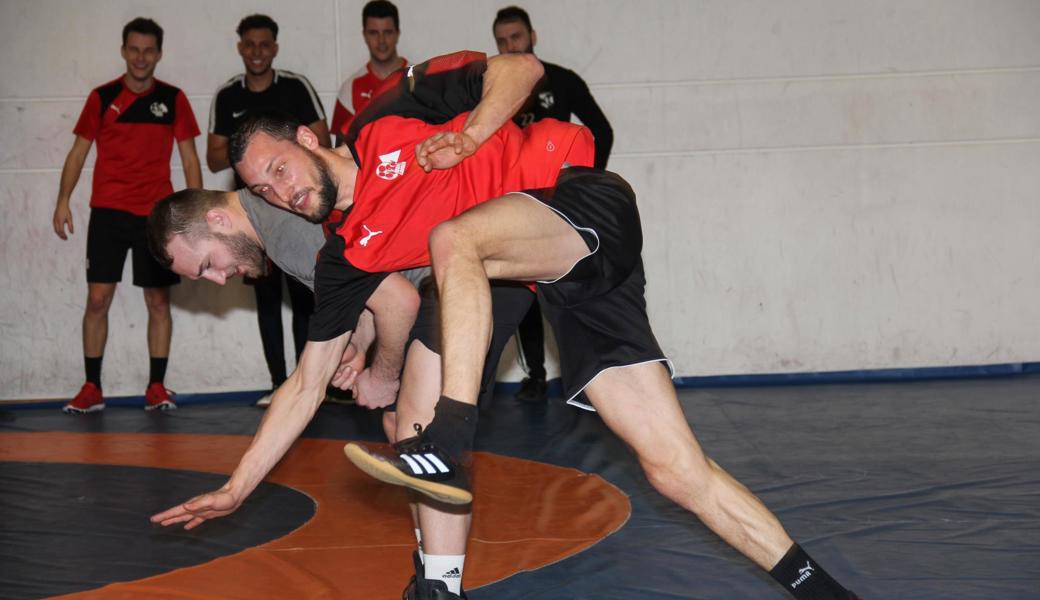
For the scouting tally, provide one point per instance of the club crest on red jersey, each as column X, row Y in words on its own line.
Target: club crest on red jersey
column 389, row 168
column 158, row 109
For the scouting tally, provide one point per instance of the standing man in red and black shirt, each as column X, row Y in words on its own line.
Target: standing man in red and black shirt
column 135, row 120
column 559, row 94
column 381, row 28
column 263, row 88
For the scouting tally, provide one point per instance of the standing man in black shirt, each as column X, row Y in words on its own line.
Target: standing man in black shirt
column 264, row 88
column 558, row 95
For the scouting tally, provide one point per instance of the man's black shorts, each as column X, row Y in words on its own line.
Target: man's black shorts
column 598, row 309
column 510, row 301
column 110, row 234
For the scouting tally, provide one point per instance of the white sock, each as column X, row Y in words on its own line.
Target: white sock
column 446, row 568
column 418, row 540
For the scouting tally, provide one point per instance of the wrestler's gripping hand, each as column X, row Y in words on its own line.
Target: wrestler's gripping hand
column 194, row 512
column 351, row 363
column 444, row 150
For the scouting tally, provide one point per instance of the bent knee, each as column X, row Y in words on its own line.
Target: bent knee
column 461, row 237
column 447, row 239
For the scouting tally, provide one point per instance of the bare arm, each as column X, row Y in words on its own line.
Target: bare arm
column 217, row 153
column 353, row 360
column 190, row 163
column 394, row 306
column 292, row 407
column 69, row 177
column 508, row 82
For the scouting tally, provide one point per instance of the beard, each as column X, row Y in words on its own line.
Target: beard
column 246, row 253
column 327, row 192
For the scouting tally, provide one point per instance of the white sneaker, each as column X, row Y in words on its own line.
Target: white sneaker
column 265, row 400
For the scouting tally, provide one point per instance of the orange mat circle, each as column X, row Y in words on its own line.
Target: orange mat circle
column 359, row 542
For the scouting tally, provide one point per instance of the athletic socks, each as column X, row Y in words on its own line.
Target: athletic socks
column 453, row 427
column 804, row 579
column 157, row 370
column 446, row 568
column 93, row 368
column 418, row 540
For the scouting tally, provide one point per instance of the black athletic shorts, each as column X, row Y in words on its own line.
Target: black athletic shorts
column 110, row 234
column 598, row 309
column 510, row 301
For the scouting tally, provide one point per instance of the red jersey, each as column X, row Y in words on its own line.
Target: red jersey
column 134, row 135
column 396, row 203
column 354, row 95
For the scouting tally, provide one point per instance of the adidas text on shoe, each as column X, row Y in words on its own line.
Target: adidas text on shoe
column 158, row 397
column 424, row 469
column 88, row 400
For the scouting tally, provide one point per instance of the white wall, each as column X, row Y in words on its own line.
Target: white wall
column 825, row 184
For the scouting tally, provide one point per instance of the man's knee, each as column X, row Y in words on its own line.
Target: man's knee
column 454, row 239
column 157, row 300
column 98, row 300
column 678, row 472
column 446, row 239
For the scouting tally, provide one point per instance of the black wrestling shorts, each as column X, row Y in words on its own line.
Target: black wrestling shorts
column 598, row 309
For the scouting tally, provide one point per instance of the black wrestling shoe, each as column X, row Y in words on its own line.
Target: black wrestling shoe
column 434, row 589
column 417, row 463
column 532, row 390
column 420, row 588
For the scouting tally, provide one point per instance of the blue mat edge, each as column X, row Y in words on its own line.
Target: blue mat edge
column 684, row 382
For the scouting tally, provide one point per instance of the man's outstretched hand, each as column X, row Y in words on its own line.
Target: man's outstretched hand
column 215, row 504
column 444, row 150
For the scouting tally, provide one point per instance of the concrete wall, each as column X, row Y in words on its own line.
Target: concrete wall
column 825, row 184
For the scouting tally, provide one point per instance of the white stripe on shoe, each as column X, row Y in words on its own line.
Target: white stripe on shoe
column 416, row 470
column 437, row 462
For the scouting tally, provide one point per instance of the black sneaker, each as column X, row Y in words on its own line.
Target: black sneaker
column 533, row 390
column 419, row 464
column 420, row 588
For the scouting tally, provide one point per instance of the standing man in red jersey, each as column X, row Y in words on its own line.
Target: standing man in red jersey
column 381, row 29
column 135, row 120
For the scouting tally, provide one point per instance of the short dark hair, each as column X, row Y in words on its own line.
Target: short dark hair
column 257, row 22
column 144, row 27
column 380, row 9
column 512, row 14
column 279, row 125
column 180, row 213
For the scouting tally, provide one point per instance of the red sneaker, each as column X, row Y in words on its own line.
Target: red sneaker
column 88, row 400
column 158, row 397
